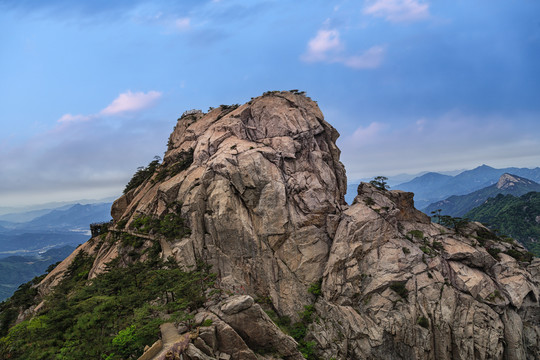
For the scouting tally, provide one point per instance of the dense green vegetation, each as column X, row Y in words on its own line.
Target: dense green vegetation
column 171, row 225
column 111, row 317
column 513, row 216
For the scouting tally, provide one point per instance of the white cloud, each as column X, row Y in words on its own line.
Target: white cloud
column 398, row 10
column 370, row 59
column 67, row 118
column 327, row 47
column 182, row 23
column 369, row 134
column 127, row 102
column 131, row 102
column 324, row 42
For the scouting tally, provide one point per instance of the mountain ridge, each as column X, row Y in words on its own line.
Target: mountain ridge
column 459, row 205
column 440, row 188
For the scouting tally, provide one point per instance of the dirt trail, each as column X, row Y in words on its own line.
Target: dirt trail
column 169, row 336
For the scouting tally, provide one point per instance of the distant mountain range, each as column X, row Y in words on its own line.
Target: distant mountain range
column 64, row 218
column 75, row 217
column 459, row 205
column 58, row 227
column 29, row 212
column 433, row 187
column 518, row 217
column 392, row 182
column 429, row 187
column 28, row 248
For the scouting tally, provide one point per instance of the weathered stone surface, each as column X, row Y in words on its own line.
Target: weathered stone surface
column 456, row 290
column 201, row 345
column 194, row 353
column 258, row 330
column 208, row 335
column 236, row 304
column 231, row 343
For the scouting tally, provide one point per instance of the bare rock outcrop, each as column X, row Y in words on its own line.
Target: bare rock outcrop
column 399, row 287
column 260, row 196
column 240, row 333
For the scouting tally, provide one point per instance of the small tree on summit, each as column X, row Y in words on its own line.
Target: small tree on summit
column 380, row 183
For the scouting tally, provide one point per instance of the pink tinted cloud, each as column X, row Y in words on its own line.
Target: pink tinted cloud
column 131, row 102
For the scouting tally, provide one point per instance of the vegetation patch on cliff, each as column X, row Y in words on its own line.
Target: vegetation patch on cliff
column 142, row 174
column 110, row 317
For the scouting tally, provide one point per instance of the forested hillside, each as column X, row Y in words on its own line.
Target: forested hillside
column 518, row 217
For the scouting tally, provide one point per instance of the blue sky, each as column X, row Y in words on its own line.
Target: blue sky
column 90, row 90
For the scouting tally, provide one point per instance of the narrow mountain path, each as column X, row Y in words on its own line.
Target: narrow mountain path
column 165, row 247
column 169, row 336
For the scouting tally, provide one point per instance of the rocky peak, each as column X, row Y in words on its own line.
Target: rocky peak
column 507, row 181
column 261, row 193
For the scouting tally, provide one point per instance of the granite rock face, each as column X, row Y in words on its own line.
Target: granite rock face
column 261, row 188
column 399, row 287
column 260, row 197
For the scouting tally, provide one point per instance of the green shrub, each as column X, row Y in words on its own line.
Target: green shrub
column 308, row 349
column 494, row 252
column 306, row 314
column 315, row 288
column 225, row 109
column 416, row 234
column 426, row 250
column 122, row 223
column 181, row 162
column 298, row 331
column 170, row 226
column 406, row 250
column 207, row 322
column 519, row 256
column 369, row 201
column 110, row 317
column 380, row 183
column 131, row 240
column 494, row 295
